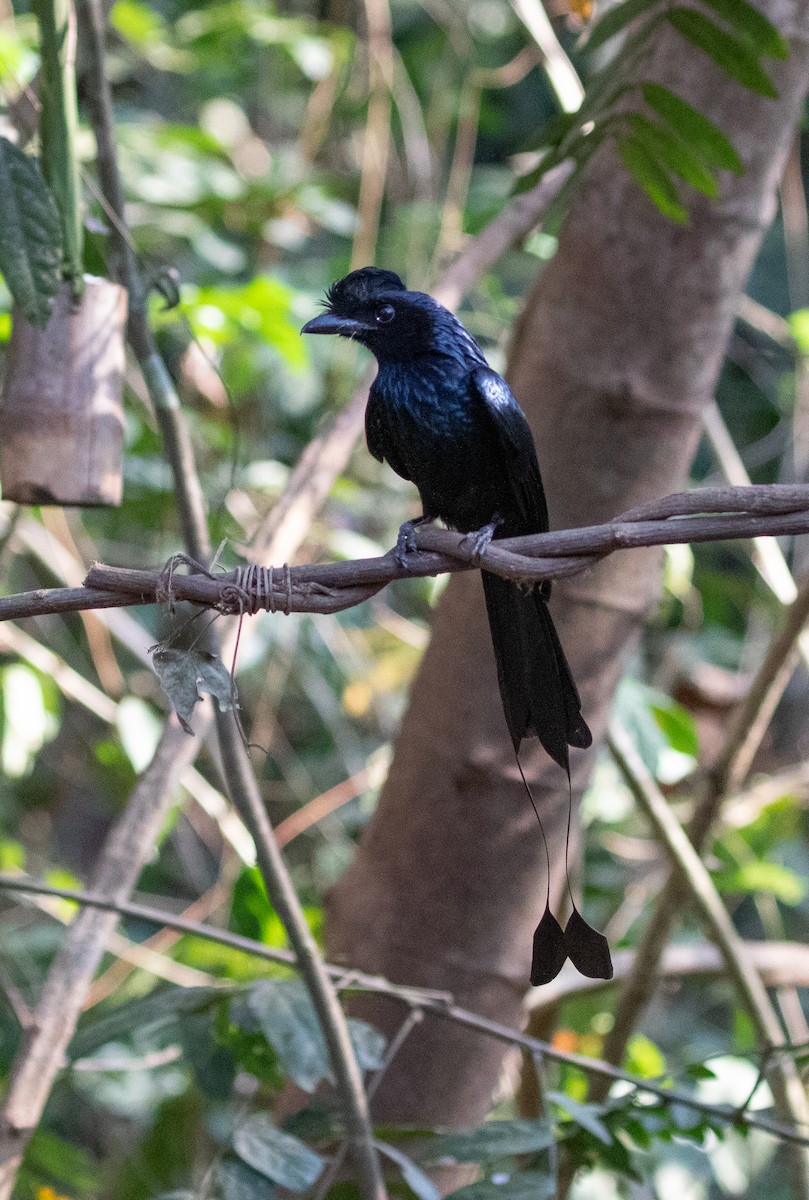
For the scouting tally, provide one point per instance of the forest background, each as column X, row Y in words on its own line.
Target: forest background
column 262, row 153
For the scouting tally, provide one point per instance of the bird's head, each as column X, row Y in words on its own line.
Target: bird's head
column 375, row 308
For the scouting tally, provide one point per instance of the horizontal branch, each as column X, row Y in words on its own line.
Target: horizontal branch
column 704, row 515
column 436, row 1003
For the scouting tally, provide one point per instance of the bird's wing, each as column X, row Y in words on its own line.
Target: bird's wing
column 516, row 444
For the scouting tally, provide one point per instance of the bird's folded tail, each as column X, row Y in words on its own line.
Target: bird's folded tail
column 539, row 697
column 537, row 689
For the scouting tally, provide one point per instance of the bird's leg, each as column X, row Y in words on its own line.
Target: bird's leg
column 406, row 541
column 480, row 538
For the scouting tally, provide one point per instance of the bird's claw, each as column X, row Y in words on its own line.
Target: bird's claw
column 406, row 542
column 479, row 539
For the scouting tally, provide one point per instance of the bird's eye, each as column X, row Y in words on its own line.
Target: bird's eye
column 385, row 313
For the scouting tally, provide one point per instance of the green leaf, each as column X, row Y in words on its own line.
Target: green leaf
column 158, row 1008
column 799, row 324
column 527, row 1185
column 760, row 876
column 644, row 1058
column 587, row 1116
column 705, row 138
column 700, row 1071
column 673, row 153
column 369, row 1044
column 63, row 1163
column 652, row 178
column 753, row 25
column 236, row 1181
column 733, row 56
column 413, row 1175
column 30, row 234
column 678, row 726
column 614, row 20
column 494, row 1139
column 287, row 1019
column 276, row 1155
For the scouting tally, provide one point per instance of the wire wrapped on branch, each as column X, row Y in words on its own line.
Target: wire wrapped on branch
column 704, row 515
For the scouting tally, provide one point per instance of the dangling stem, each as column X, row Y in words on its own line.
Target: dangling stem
column 530, row 795
column 567, row 837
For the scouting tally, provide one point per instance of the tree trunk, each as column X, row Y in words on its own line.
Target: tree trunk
column 614, row 359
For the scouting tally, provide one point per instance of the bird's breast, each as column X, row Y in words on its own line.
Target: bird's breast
column 438, row 434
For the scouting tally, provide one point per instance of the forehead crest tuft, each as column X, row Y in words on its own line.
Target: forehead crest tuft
column 363, row 287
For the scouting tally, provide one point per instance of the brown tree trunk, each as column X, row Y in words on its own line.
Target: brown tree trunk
column 615, row 357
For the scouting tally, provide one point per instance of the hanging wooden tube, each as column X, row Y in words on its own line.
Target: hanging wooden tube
column 61, row 413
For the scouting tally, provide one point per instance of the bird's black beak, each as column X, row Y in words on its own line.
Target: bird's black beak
column 329, row 322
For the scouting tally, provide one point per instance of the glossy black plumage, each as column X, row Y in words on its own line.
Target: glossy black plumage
column 445, row 420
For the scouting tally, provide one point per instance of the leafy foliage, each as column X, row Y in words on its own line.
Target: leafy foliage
column 686, row 146
column 30, row 234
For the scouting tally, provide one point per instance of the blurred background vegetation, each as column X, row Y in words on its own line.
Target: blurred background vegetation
column 244, row 131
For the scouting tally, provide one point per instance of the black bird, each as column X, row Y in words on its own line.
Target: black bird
column 445, row 420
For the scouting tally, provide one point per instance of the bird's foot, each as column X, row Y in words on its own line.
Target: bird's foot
column 479, row 539
column 406, row 541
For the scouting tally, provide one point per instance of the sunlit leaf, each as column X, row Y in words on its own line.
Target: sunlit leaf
column 27, row 724
column 644, row 1057
column 260, row 310
column 678, row 726
column 700, row 1071
column 799, row 324
column 760, row 876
